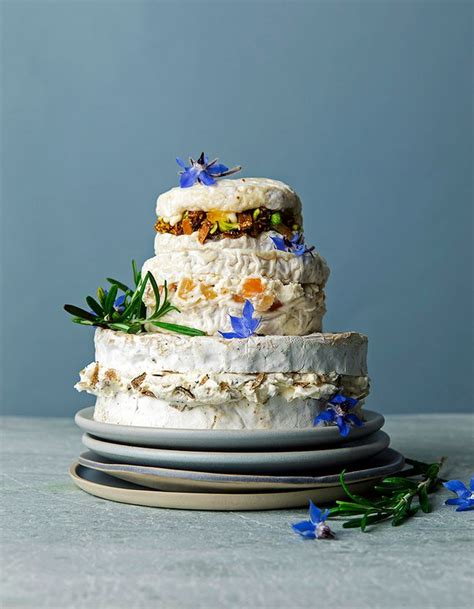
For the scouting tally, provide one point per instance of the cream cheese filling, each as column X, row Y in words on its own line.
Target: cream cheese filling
column 194, row 389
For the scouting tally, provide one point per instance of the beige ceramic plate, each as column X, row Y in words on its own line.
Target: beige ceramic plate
column 104, row 486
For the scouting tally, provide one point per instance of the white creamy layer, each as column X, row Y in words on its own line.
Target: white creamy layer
column 165, row 243
column 235, row 195
column 344, row 353
column 196, row 389
column 300, row 313
column 183, row 256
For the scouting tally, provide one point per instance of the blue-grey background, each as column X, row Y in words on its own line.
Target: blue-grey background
column 364, row 108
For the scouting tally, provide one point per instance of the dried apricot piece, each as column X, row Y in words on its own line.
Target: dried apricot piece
column 251, row 287
column 208, row 292
column 187, row 226
column 185, row 286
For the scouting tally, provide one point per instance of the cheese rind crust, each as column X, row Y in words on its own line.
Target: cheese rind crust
column 344, row 353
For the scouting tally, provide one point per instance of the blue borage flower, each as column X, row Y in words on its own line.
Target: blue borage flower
column 315, row 527
column 295, row 245
column 338, row 411
column 203, row 171
column 119, row 303
column 243, row 326
column 465, row 496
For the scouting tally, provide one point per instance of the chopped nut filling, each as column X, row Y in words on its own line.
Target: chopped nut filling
column 218, row 224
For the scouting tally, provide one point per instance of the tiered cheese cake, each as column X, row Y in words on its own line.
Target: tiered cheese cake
column 233, row 257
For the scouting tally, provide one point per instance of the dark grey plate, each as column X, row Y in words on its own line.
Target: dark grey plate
column 384, row 464
column 216, row 439
column 280, row 462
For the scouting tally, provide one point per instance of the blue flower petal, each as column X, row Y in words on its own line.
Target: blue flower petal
column 314, row 513
column 238, row 325
column 253, row 324
column 327, row 415
column 344, row 427
column 248, row 310
column 337, row 399
column 299, row 251
column 181, row 163
column 305, row 528
column 352, row 418
column 189, row 177
column 229, row 335
column 217, row 169
column 456, row 486
column 206, row 178
column 351, row 402
column 454, row 501
column 279, row 243
column 325, row 515
column 465, row 506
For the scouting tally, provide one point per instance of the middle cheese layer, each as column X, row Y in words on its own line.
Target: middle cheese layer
column 209, row 283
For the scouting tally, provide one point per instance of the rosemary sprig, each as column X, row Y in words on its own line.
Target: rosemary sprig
column 396, row 498
column 127, row 312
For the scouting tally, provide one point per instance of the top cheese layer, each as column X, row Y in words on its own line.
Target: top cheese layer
column 236, row 195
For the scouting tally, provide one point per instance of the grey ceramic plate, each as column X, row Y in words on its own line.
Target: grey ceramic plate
column 104, row 486
column 280, row 462
column 384, row 464
column 215, row 439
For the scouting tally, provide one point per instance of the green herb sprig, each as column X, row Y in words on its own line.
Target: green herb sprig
column 131, row 315
column 396, row 498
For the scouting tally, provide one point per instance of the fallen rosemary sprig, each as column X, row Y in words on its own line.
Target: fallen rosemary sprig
column 395, row 498
column 127, row 312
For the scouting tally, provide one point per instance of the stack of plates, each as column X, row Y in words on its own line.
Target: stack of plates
column 231, row 469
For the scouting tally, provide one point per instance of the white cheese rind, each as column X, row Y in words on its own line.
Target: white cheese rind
column 234, row 195
column 344, row 353
column 145, row 411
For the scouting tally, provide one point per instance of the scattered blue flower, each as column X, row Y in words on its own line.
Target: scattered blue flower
column 465, row 496
column 295, row 245
column 315, row 527
column 119, row 304
column 203, row 171
column 338, row 411
column 243, row 326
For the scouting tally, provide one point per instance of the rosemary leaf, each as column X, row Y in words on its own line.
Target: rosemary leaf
column 78, row 312
column 179, row 329
column 95, row 306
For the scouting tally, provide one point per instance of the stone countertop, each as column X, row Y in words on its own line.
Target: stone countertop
column 62, row 548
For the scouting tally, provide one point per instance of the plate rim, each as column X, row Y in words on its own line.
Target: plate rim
column 84, row 420
column 88, row 486
column 221, row 455
column 397, row 464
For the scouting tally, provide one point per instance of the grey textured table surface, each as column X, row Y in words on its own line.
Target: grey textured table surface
column 62, row 548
